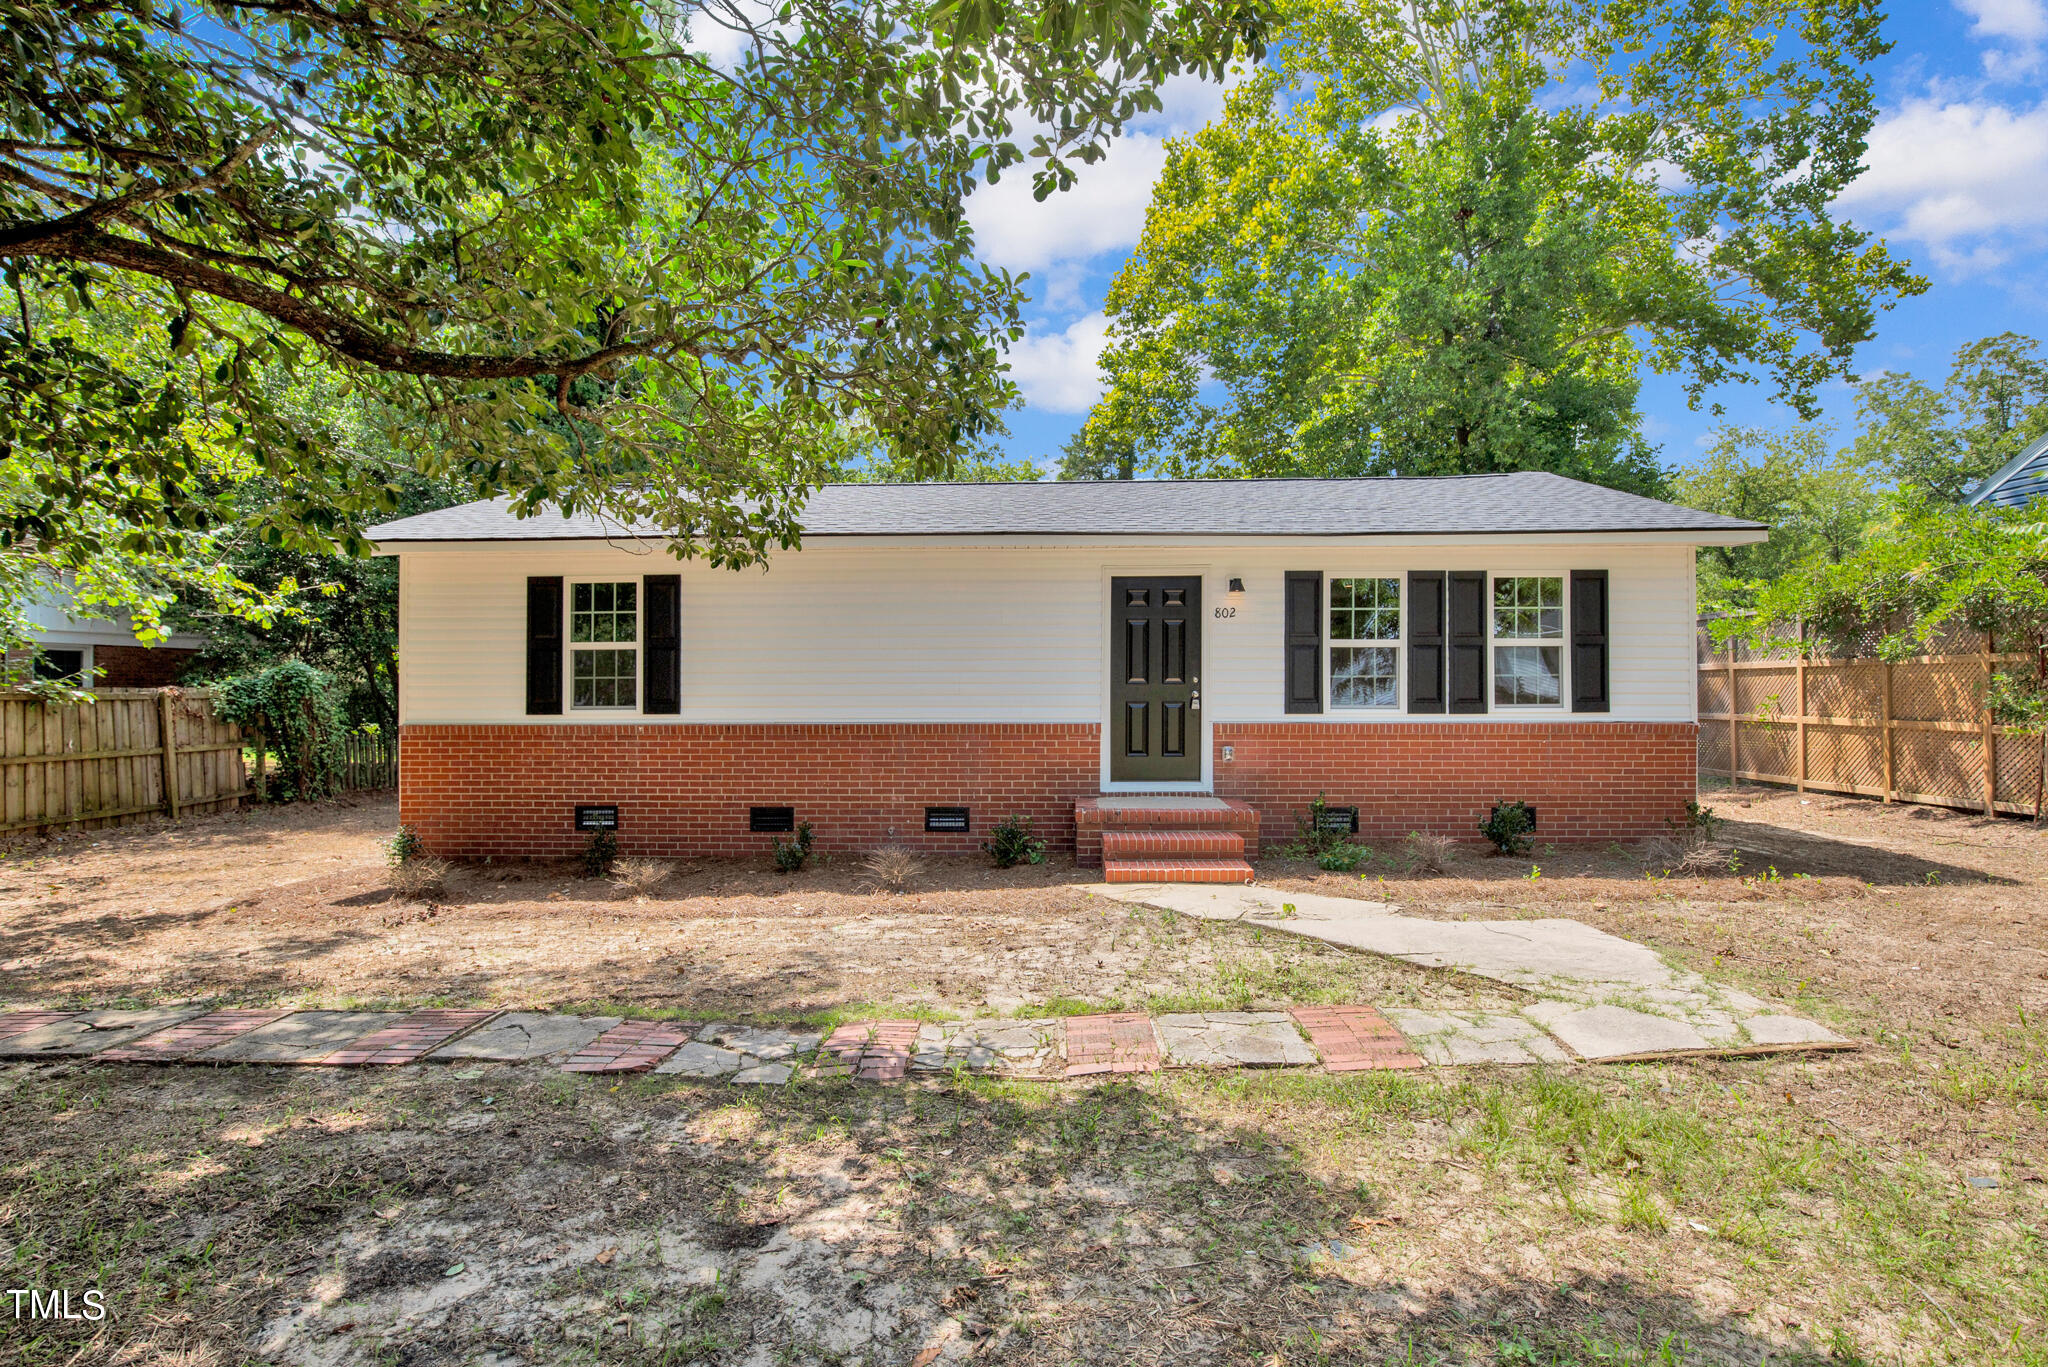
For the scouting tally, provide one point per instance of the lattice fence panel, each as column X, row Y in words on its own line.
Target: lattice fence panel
column 1714, row 747
column 1944, row 765
column 1952, row 690
column 1849, row 757
column 1769, row 749
column 1713, row 691
column 1845, row 688
column 2019, row 771
column 1770, row 692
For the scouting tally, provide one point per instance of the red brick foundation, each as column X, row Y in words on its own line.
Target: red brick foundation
column 1589, row 781
column 512, row 791
column 140, row 666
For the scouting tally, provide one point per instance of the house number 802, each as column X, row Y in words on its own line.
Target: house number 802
column 1226, row 612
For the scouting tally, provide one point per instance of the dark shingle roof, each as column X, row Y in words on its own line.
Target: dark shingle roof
column 1457, row 505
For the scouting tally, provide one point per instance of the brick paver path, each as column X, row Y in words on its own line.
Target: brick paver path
column 872, row 1051
column 410, row 1040
column 1354, row 1038
column 1119, row 1043
column 183, row 1041
column 14, row 1023
column 633, row 1047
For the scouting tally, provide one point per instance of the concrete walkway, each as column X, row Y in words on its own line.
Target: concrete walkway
column 1605, row 998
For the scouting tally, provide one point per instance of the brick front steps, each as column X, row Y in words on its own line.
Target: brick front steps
column 1167, row 839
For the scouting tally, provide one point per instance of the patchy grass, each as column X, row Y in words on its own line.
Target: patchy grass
column 1678, row 1214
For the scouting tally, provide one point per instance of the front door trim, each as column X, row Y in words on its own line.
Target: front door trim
column 1111, row 626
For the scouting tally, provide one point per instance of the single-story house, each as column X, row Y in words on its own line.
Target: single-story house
column 102, row 651
column 1163, row 668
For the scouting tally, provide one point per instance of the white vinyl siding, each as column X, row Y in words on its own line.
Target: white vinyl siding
column 849, row 631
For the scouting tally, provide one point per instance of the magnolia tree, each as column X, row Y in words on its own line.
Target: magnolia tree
column 642, row 258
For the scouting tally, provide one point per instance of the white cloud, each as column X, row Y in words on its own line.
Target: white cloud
column 1104, row 211
column 2024, row 21
column 1968, row 179
column 1060, row 372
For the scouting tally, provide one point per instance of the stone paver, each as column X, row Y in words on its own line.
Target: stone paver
column 633, row 1047
column 770, row 1043
column 522, row 1036
column 702, row 1060
column 302, row 1037
column 1575, row 966
column 88, row 1033
column 182, row 1041
column 1456, row 1038
column 1353, row 1039
column 1614, row 1033
column 14, row 1023
column 1121, row 1042
column 408, row 1040
column 1026, row 1048
column 870, row 1051
column 1232, row 1039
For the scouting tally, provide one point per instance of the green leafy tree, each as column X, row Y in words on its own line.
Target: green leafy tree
column 573, row 258
column 1093, row 454
column 1944, row 442
column 1434, row 239
column 1817, row 502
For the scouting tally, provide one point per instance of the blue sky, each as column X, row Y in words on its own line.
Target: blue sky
column 1957, row 183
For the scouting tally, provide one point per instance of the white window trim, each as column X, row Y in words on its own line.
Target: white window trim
column 1561, row 641
column 1399, row 643
column 636, row 645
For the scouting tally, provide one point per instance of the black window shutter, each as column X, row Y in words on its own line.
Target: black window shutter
column 1426, row 641
column 1303, row 605
column 544, row 646
column 1467, row 641
column 1589, row 640
column 662, row 681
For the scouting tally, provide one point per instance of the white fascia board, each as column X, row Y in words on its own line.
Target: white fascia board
column 1737, row 537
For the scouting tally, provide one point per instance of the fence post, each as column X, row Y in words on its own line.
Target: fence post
column 1889, row 785
column 167, row 723
column 1802, row 716
column 1990, row 731
column 262, row 755
column 1734, row 736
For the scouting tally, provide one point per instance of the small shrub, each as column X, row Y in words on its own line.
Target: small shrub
column 404, row 847
column 297, row 712
column 421, row 878
column 1312, row 834
column 893, row 867
column 641, row 875
column 600, row 854
column 1429, row 853
column 1011, row 843
column 1508, row 826
column 1697, row 828
column 1344, row 858
column 791, row 855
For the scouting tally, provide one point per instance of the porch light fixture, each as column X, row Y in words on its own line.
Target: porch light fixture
column 1236, row 584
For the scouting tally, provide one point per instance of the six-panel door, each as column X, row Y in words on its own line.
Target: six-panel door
column 1155, row 686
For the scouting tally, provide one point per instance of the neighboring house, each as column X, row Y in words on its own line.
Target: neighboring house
column 1180, row 665
column 102, row 652
column 2023, row 479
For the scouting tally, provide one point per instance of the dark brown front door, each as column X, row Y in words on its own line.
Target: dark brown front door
column 1155, row 693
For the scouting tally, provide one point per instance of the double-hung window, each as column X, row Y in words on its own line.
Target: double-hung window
column 1528, row 640
column 604, row 652
column 1365, row 642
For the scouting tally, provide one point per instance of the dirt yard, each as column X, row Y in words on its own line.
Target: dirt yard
column 1881, row 1206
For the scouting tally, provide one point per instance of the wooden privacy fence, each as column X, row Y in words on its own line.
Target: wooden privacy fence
column 131, row 753
column 369, row 760
column 1912, row 730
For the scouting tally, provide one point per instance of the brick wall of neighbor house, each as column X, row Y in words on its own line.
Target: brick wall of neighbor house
column 140, row 666
column 1589, row 781
column 511, row 791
